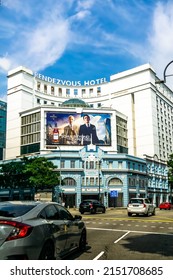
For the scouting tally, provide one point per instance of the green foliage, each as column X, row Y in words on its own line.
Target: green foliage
column 170, row 168
column 41, row 174
column 35, row 172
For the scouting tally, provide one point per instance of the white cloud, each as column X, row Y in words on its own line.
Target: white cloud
column 161, row 37
column 5, row 64
column 84, row 4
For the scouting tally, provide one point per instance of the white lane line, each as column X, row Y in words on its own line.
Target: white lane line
column 99, row 255
column 116, row 241
column 132, row 231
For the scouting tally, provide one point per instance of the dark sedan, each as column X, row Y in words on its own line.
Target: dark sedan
column 39, row 230
column 92, row 206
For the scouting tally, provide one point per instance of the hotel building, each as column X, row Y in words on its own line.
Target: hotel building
column 133, row 116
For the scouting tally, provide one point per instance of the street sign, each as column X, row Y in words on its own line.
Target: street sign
column 114, row 193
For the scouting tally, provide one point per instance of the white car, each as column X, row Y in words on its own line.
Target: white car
column 140, row 206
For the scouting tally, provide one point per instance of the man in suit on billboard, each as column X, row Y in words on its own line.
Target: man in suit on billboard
column 70, row 132
column 87, row 133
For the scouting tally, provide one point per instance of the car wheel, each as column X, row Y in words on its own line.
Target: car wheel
column 129, row 214
column 154, row 212
column 82, row 212
column 147, row 214
column 47, row 252
column 104, row 210
column 83, row 241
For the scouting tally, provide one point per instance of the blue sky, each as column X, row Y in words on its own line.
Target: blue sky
column 84, row 39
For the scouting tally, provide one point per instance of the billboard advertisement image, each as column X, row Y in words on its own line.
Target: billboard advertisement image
column 78, row 128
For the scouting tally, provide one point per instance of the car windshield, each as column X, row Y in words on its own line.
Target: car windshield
column 15, row 210
column 139, row 201
column 90, row 201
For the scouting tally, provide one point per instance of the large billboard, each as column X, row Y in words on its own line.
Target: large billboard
column 78, row 128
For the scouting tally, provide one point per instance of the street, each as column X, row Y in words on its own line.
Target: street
column 115, row 236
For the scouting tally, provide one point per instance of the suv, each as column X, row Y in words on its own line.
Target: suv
column 92, row 206
column 140, row 206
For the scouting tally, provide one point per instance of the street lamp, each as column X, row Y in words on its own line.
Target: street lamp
column 59, row 168
column 59, row 165
column 54, row 196
column 137, row 186
column 164, row 74
column 99, row 170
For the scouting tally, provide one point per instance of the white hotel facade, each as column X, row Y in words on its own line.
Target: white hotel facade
column 141, row 117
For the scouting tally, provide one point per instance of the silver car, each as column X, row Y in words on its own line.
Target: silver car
column 39, row 230
column 140, row 206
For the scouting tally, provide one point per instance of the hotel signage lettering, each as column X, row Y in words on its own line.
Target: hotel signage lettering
column 70, row 83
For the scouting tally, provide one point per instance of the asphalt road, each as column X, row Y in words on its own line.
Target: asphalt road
column 115, row 236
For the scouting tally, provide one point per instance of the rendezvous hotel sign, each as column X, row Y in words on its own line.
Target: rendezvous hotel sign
column 70, row 83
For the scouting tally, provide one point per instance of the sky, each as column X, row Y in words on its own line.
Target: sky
column 81, row 40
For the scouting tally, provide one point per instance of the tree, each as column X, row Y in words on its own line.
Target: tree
column 34, row 172
column 170, row 169
column 41, row 174
column 12, row 174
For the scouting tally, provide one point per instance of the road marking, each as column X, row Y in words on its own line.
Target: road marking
column 133, row 219
column 116, row 241
column 131, row 231
column 99, row 255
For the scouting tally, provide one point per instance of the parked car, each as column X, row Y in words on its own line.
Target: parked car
column 165, row 205
column 91, row 205
column 140, row 206
column 39, row 230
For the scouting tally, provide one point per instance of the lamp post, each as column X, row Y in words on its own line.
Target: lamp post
column 164, row 74
column 137, row 186
column 58, row 147
column 99, row 169
column 54, row 197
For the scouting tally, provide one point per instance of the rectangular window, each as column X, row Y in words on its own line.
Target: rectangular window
column 83, row 91
column 91, row 181
column 72, row 164
column 91, row 90
column 62, row 164
column 91, row 164
column 38, row 86
column 45, row 88
column 98, row 90
column 110, row 164
column 52, row 90
column 60, row 91
column 67, row 91
column 75, row 91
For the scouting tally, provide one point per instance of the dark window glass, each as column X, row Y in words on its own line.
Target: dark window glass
column 15, row 210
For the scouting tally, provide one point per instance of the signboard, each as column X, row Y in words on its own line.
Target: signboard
column 114, row 193
column 78, row 128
